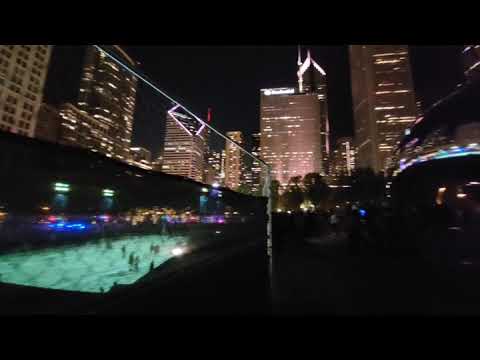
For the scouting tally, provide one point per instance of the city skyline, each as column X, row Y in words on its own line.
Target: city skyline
column 214, row 80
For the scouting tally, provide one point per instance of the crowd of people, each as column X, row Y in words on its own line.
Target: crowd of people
column 360, row 228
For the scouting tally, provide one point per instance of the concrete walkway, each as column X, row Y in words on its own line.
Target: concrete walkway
column 320, row 277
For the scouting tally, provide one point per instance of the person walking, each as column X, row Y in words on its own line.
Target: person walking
column 137, row 263
column 131, row 260
column 334, row 223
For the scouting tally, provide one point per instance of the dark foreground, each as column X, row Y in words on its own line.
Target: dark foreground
column 326, row 278
column 317, row 275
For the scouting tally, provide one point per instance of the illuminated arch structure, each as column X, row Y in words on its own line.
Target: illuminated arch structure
column 441, row 150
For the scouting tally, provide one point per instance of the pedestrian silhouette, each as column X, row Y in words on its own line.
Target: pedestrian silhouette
column 152, row 266
column 131, row 260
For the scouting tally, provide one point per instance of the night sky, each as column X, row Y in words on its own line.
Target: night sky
column 228, row 79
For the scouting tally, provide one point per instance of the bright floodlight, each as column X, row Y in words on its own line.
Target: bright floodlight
column 177, row 251
column 108, row 193
column 61, row 187
column 216, row 185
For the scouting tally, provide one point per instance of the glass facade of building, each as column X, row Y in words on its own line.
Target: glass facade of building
column 108, row 93
column 184, row 147
column 291, row 141
column 233, row 161
column 23, row 71
column 383, row 101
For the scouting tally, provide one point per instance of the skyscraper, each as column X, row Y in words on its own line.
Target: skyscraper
column 256, row 167
column 383, row 101
column 108, row 93
column 290, row 128
column 78, row 128
column 48, row 123
column 233, row 160
column 213, row 168
column 184, row 146
column 294, row 125
column 343, row 158
column 313, row 79
column 23, row 71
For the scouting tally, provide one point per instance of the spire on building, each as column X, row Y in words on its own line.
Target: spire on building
column 305, row 66
column 299, row 61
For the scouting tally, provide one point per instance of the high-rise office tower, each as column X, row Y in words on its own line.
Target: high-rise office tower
column 108, row 93
column 184, row 146
column 212, row 171
column 23, row 71
column 78, row 128
column 256, row 167
column 141, row 154
column 313, row 79
column 290, row 128
column 222, row 166
column 383, row 101
column 233, row 160
column 48, row 123
column 294, row 125
column 343, row 158
column 141, row 157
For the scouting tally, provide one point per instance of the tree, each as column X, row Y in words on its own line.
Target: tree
column 367, row 186
column 244, row 189
column 316, row 189
column 293, row 197
column 275, row 193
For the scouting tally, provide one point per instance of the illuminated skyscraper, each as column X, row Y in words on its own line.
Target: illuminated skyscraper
column 141, row 157
column 23, row 71
column 233, row 161
column 313, row 79
column 343, row 158
column 184, row 147
column 294, row 125
column 222, row 166
column 256, row 167
column 383, row 101
column 108, row 93
column 213, row 168
column 290, row 128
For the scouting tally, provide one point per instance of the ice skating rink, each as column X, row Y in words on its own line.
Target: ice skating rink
column 90, row 267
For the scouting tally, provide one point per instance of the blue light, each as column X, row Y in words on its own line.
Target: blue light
column 67, row 227
column 362, row 212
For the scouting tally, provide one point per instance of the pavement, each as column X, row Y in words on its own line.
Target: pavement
column 320, row 276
